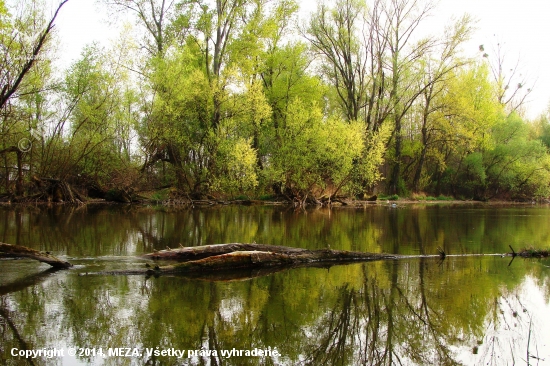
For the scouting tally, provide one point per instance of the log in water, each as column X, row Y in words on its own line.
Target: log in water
column 19, row 251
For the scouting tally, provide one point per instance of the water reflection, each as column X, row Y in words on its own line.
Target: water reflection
column 471, row 310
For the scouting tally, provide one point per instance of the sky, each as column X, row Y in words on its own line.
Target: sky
column 520, row 27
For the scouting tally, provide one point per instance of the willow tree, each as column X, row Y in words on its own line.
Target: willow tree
column 320, row 157
column 219, row 28
column 163, row 26
column 369, row 57
column 516, row 165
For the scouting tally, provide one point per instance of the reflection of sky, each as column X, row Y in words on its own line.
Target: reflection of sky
column 506, row 338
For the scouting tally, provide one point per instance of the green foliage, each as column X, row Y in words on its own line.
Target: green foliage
column 392, row 197
column 160, row 195
column 540, row 129
column 367, row 171
column 517, row 163
column 226, row 101
column 236, row 171
column 267, row 197
column 296, row 162
column 315, row 153
column 95, row 136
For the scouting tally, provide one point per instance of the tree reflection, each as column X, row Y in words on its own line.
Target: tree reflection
column 370, row 314
column 411, row 311
column 376, row 326
column 13, row 340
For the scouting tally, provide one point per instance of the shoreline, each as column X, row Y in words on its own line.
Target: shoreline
column 253, row 202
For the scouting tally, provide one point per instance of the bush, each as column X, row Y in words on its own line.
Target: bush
column 393, row 197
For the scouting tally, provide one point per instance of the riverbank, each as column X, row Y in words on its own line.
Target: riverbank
column 170, row 197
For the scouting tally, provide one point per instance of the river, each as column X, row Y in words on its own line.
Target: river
column 470, row 310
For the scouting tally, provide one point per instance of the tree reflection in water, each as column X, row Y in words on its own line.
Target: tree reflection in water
column 471, row 310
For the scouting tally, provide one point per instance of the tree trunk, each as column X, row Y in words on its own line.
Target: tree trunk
column 396, row 170
column 18, row 251
column 19, row 185
column 422, row 159
column 19, row 182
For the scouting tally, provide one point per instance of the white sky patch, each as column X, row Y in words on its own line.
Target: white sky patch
column 520, row 27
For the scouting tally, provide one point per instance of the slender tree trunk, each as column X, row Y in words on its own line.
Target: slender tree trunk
column 421, row 160
column 7, row 174
column 396, row 170
column 19, row 184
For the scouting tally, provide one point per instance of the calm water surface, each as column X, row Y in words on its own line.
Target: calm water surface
column 474, row 310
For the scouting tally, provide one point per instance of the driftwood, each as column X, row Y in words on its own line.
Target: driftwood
column 18, row 251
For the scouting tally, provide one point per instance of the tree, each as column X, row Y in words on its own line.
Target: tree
column 320, row 157
column 177, row 128
column 511, row 87
column 470, row 112
column 333, row 34
column 23, row 38
column 164, row 21
column 436, row 70
column 400, row 20
column 516, row 165
column 21, row 53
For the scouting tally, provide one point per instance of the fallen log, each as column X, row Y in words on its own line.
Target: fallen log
column 240, row 256
column 18, row 251
column 242, row 260
column 184, row 254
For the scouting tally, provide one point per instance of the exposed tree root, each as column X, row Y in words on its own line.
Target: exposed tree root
column 55, row 190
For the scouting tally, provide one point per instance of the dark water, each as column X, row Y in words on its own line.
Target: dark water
column 465, row 310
